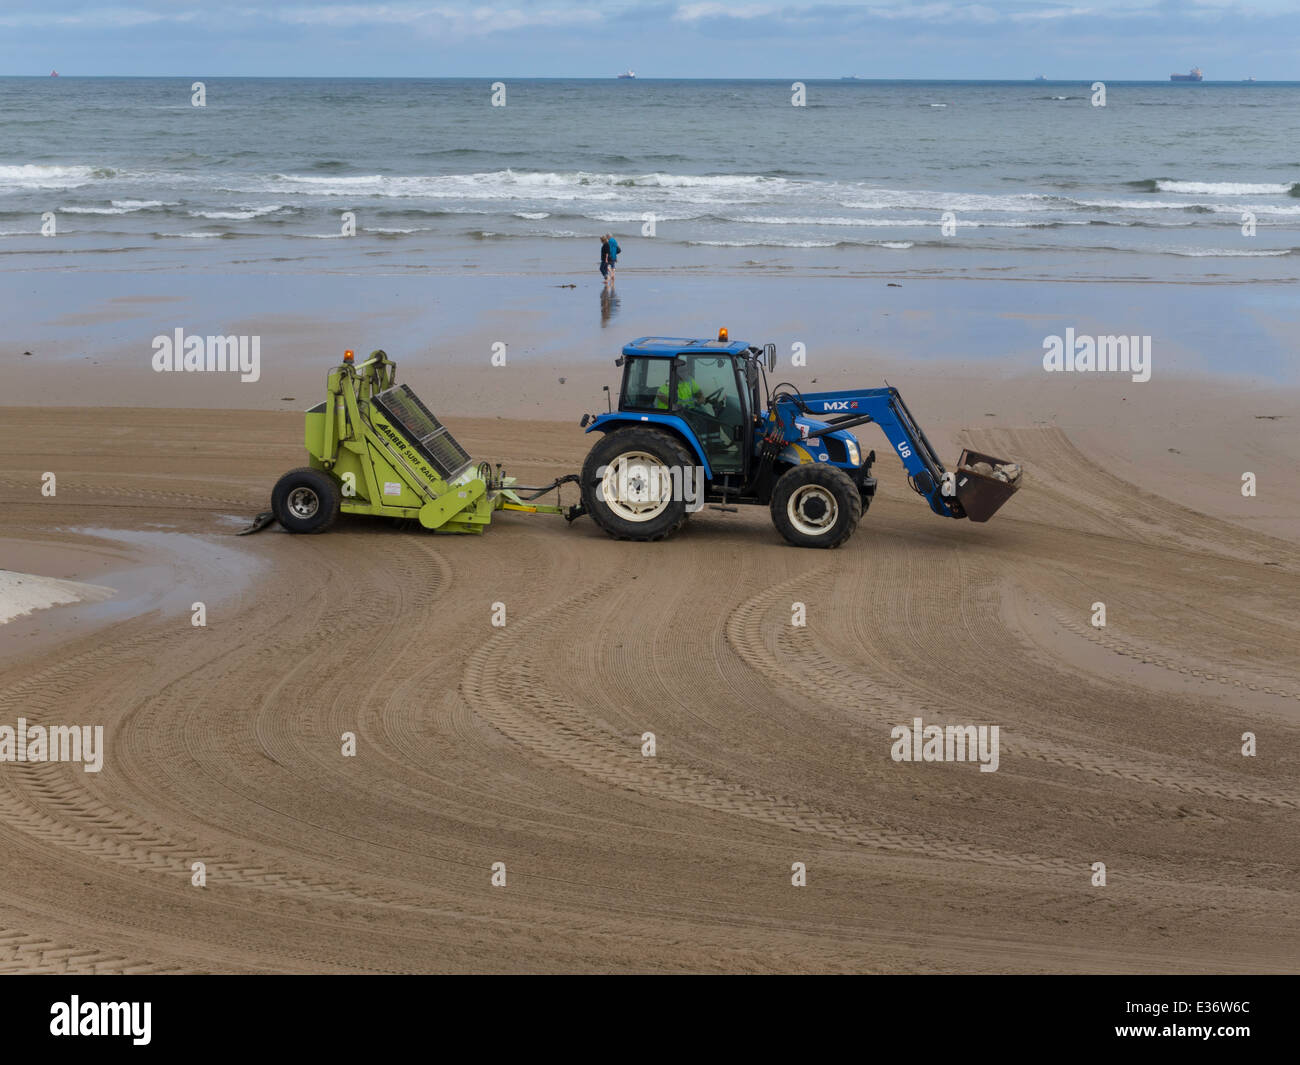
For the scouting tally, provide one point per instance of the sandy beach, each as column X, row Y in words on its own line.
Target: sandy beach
column 521, row 744
column 543, row 750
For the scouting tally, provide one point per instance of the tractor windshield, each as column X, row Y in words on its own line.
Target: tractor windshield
column 709, row 399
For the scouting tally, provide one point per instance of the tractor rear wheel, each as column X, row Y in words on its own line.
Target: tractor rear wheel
column 816, row 505
column 305, row 500
column 629, row 486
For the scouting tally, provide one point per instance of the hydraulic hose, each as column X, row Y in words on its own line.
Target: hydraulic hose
column 571, row 478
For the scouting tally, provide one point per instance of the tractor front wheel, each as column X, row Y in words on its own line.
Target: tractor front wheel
column 816, row 505
column 631, row 483
column 305, row 500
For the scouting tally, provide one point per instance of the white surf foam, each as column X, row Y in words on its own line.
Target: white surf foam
column 1222, row 188
column 242, row 214
column 36, row 176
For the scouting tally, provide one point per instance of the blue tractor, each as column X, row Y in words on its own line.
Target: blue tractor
column 697, row 424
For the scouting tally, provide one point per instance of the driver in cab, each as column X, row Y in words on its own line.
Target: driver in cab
column 691, row 397
column 689, row 394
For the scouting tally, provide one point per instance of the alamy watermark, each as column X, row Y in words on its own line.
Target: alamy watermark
column 75, row 1017
column 650, row 483
column 193, row 354
column 1081, row 354
column 946, row 743
column 53, row 743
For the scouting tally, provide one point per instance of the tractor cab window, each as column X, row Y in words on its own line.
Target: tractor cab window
column 646, row 379
column 709, row 400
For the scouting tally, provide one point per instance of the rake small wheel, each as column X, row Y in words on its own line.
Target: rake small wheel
column 306, row 500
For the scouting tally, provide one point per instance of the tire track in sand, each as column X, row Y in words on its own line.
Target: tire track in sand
column 48, row 803
column 52, row 806
column 747, row 633
column 1079, row 493
column 23, row 952
column 550, row 725
column 1131, row 647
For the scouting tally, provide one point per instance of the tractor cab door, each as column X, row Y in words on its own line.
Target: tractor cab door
column 708, row 393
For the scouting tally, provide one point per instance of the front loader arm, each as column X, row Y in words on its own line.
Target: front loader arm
column 885, row 407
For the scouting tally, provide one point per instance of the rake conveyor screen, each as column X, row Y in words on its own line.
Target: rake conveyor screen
column 428, row 435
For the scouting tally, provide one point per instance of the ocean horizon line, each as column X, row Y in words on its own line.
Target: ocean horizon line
column 773, row 79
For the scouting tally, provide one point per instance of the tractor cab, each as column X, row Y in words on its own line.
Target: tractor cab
column 711, row 385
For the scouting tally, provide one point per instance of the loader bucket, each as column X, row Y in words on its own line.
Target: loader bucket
column 980, row 496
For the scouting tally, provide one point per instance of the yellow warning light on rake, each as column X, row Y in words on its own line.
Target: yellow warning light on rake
column 347, row 355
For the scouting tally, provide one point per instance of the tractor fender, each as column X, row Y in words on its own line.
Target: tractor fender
column 604, row 423
column 795, row 455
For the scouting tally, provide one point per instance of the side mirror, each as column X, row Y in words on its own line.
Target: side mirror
column 586, row 420
column 771, row 358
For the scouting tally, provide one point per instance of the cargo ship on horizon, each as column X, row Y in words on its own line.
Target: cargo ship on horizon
column 1193, row 75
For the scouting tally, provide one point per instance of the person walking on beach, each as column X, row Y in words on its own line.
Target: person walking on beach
column 608, row 258
column 606, row 264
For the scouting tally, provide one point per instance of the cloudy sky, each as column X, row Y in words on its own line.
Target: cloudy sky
column 1084, row 39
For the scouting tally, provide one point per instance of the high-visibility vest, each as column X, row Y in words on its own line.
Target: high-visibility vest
column 688, row 393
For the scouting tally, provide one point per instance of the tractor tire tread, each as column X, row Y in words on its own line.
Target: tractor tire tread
column 831, row 477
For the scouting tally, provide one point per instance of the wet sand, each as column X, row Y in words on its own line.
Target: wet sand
column 86, row 339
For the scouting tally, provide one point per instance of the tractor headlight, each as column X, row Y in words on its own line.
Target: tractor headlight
column 855, row 456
